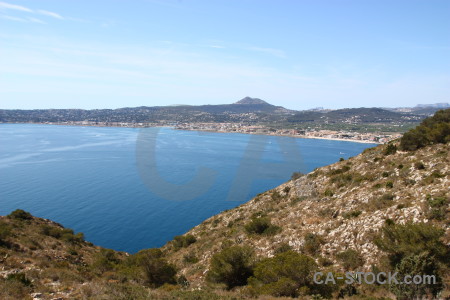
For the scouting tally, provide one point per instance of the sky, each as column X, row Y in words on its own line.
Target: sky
column 299, row 54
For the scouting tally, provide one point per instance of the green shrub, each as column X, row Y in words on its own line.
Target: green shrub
column 19, row 277
column 296, row 175
column 389, row 184
column 190, row 258
column 20, row 214
column 286, row 189
column 283, row 247
column 432, row 130
column 390, row 149
column 312, row 243
column 328, row 193
column 298, row 199
column 400, row 241
column 65, row 234
column 232, row 266
column 350, row 259
column 5, row 232
column 183, row 241
column 385, row 174
column 352, row 214
column 104, row 261
column 341, row 159
column 156, row 269
column 419, row 165
column 437, row 207
column 261, row 226
column 417, row 265
column 283, row 274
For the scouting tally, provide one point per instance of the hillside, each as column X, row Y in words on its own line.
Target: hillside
column 335, row 212
column 344, row 205
column 385, row 210
column 250, row 111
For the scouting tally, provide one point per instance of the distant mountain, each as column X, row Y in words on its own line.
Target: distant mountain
column 436, row 105
column 252, row 101
column 421, row 109
column 235, row 112
column 354, row 115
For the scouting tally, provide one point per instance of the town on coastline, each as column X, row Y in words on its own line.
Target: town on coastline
column 311, row 133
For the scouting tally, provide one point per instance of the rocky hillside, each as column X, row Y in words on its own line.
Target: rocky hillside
column 333, row 209
column 386, row 209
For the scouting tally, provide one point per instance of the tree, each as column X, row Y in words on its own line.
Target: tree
column 284, row 274
column 156, row 269
column 232, row 266
column 20, row 214
column 415, row 249
column 432, row 130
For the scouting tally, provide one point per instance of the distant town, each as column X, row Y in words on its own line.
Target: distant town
column 248, row 115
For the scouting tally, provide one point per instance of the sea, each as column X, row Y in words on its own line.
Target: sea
column 130, row 189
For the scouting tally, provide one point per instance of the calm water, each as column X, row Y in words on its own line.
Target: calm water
column 94, row 180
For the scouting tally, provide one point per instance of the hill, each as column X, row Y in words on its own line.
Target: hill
column 385, row 210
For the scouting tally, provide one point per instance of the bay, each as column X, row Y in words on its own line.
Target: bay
column 95, row 180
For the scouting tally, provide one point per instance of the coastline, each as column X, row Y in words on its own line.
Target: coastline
column 148, row 125
column 289, row 135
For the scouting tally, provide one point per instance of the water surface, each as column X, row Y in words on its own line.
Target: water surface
column 87, row 178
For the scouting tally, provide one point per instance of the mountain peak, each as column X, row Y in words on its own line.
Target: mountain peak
column 249, row 100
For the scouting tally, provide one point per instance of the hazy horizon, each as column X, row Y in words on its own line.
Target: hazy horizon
column 295, row 54
column 187, row 104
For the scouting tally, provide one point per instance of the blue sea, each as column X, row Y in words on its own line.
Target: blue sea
column 130, row 188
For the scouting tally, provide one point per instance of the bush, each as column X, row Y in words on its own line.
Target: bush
column 421, row 264
column 400, row 241
column 20, row 214
column 328, row 193
column 65, row 234
column 432, row 130
column 312, row 244
column 389, row 184
column 156, row 269
column 284, row 274
column 104, row 261
column 283, row 247
column 296, row 175
column 5, row 232
column 351, row 259
column 261, row 226
column 415, row 249
column 352, row 214
column 190, row 258
column 437, row 207
column 181, row 241
column 419, row 165
column 390, row 149
column 232, row 266
column 19, row 277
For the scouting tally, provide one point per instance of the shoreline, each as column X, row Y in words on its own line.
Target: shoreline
column 141, row 125
column 289, row 135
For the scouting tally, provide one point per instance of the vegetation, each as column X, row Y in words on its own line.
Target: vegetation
column 156, row 269
column 432, row 130
column 183, row 241
column 232, row 266
column 20, row 214
column 261, row 225
column 284, row 274
column 312, row 243
column 351, row 259
column 415, row 249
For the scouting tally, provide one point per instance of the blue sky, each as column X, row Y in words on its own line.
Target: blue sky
column 299, row 54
